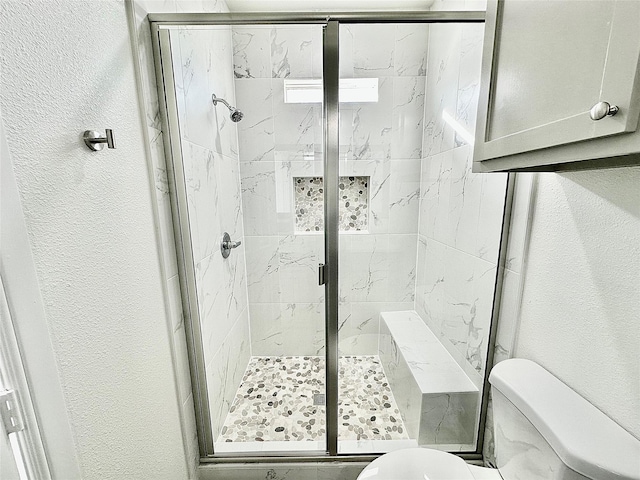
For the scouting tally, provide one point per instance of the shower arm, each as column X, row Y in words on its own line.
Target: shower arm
column 235, row 115
column 221, row 100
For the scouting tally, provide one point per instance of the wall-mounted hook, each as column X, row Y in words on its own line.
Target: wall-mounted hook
column 96, row 142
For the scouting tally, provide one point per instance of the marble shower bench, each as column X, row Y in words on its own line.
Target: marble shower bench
column 436, row 398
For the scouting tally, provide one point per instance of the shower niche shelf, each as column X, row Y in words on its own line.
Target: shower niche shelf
column 309, row 205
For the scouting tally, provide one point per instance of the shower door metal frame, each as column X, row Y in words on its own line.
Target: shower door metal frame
column 160, row 25
column 331, row 149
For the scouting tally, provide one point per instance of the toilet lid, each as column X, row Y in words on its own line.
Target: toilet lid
column 417, row 464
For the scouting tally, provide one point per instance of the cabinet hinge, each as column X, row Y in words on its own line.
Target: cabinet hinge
column 10, row 411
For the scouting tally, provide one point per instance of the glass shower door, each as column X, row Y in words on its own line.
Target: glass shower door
column 257, row 175
column 381, row 112
column 278, row 81
column 417, row 266
column 392, row 352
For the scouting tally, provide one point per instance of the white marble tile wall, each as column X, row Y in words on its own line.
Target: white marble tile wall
column 442, row 91
column 407, row 117
column 471, row 43
column 203, row 65
column 286, row 329
column 359, row 324
column 204, row 57
column 460, row 212
column 457, row 256
column 225, row 369
column 279, row 141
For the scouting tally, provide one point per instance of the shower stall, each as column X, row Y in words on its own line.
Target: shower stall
column 338, row 259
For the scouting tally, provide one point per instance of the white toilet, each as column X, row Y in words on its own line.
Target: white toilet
column 543, row 431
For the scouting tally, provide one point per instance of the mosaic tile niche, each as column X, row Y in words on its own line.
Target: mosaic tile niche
column 309, row 205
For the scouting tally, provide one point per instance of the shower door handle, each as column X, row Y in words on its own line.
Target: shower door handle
column 322, row 274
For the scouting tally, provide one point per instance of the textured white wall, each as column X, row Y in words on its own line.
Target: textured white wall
column 581, row 298
column 30, row 325
column 66, row 67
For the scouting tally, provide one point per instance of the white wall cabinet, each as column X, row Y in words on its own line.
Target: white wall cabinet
column 546, row 63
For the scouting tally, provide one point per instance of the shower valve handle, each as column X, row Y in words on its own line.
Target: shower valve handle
column 226, row 245
column 232, row 244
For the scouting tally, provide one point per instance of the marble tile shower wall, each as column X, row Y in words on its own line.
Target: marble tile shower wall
column 460, row 212
column 281, row 141
column 202, row 61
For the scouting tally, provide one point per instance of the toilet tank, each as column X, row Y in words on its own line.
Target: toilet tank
column 545, row 430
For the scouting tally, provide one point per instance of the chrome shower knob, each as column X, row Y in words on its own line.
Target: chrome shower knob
column 226, row 245
column 601, row 110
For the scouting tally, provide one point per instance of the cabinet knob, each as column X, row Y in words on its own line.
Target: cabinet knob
column 601, row 110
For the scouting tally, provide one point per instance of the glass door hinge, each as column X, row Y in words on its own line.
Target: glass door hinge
column 10, row 411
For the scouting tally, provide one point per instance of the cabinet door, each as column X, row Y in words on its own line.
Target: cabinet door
column 547, row 63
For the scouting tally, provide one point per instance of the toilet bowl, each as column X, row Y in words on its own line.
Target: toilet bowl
column 424, row 464
column 547, row 432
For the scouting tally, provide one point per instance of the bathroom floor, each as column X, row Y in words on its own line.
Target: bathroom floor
column 275, row 402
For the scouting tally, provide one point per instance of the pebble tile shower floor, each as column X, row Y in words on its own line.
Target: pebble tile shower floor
column 275, row 402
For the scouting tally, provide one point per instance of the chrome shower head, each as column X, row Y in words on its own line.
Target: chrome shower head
column 236, row 115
